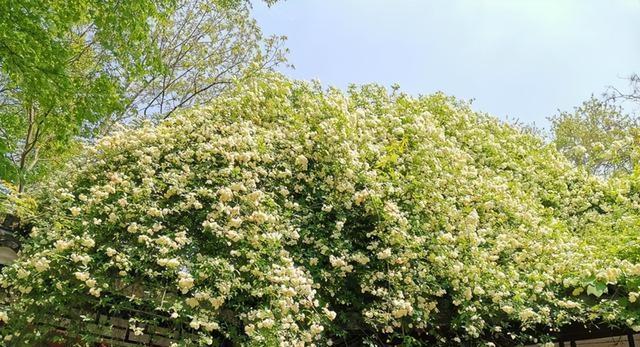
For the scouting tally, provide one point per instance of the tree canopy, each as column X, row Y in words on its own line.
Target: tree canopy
column 285, row 214
column 598, row 136
column 57, row 62
column 70, row 71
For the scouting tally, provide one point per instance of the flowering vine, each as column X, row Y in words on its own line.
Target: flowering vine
column 285, row 214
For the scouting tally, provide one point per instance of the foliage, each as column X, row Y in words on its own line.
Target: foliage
column 74, row 69
column 285, row 214
column 598, row 136
column 203, row 48
column 57, row 61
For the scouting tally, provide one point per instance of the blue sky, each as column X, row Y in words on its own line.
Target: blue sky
column 519, row 59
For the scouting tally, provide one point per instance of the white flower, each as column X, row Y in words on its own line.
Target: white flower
column 192, row 302
column 527, row 314
column 22, row 273
column 507, row 309
column 225, row 194
column 235, row 222
column 133, row 228
column 82, row 276
column 384, row 254
column 250, row 329
column 194, row 324
column 402, row 308
column 185, row 282
column 41, row 264
column 255, row 196
column 259, row 217
column 330, row 314
column 302, row 162
column 95, row 292
column 88, row 242
column 316, row 329
column 173, row 263
column 137, row 331
column 238, row 187
column 267, row 323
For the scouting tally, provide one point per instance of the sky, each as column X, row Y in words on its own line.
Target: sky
column 517, row 59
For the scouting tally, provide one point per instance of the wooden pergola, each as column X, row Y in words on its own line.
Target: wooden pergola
column 570, row 335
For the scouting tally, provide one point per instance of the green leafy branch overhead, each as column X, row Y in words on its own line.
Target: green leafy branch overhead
column 70, row 71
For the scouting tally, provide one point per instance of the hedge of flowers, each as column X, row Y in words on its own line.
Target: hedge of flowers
column 286, row 214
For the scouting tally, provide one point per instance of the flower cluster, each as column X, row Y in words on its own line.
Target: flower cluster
column 284, row 214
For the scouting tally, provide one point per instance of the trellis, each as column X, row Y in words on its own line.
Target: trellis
column 115, row 330
column 162, row 335
column 569, row 335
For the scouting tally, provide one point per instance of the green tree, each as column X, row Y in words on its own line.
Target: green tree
column 598, row 136
column 58, row 60
column 203, row 48
column 73, row 70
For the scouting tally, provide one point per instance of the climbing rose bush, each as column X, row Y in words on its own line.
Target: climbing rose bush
column 286, row 214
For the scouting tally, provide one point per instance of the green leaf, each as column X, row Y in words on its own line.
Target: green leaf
column 597, row 290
